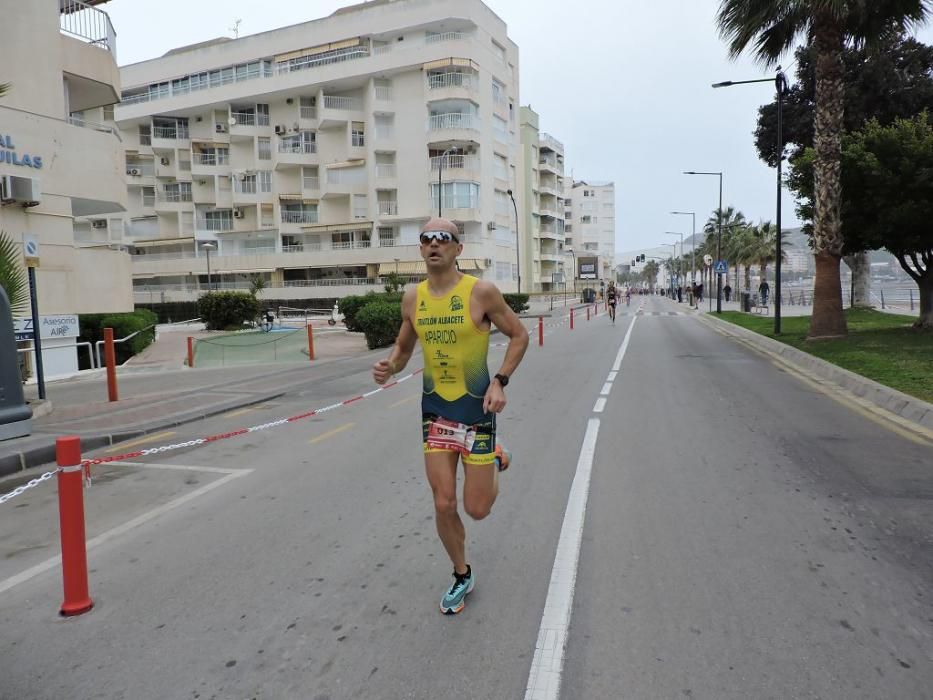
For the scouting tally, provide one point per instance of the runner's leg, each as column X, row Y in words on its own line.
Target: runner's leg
column 480, row 489
column 441, row 469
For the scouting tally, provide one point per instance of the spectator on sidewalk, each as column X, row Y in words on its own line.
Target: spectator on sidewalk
column 764, row 289
column 680, row 294
column 727, row 290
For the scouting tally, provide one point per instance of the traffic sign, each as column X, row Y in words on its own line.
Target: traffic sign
column 708, row 259
column 31, row 249
column 721, row 267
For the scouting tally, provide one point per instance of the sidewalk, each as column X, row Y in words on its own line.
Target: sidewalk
column 158, row 394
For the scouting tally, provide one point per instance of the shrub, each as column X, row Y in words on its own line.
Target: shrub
column 92, row 330
column 223, row 310
column 380, row 321
column 517, row 302
column 351, row 306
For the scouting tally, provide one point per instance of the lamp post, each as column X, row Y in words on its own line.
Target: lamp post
column 680, row 270
column 574, row 256
column 693, row 245
column 518, row 260
column 440, row 170
column 207, row 248
column 780, row 85
column 718, row 237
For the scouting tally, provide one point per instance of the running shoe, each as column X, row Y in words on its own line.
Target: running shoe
column 453, row 599
column 503, row 456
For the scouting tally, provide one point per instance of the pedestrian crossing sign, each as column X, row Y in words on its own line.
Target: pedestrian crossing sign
column 721, row 268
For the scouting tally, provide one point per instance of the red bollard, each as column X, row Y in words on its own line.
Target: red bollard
column 587, row 313
column 110, row 359
column 190, row 351
column 310, row 343
column 71, row 519
column 571, row 318
column 540, row 331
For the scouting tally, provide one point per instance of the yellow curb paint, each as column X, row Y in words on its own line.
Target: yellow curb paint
column 331, row 433
column 140, row 441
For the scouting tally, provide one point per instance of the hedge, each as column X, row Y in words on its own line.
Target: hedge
column 174, row 311
column 227, row 310
column 380, row 321
column 92, row 329
column 517, row 302
column 351, row 306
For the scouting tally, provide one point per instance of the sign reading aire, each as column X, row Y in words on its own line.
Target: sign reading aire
column 51, row 327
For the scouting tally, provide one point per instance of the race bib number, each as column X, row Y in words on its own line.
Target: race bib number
column 449, row 435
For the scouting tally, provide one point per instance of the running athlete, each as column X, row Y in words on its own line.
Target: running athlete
column 451, row 313
column 611, row 298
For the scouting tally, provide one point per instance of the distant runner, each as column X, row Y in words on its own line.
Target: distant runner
column 612, row 296
column 451, row 314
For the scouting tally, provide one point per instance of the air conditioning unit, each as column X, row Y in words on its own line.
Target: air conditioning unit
column 488, row 261
column 491, row 226
column 280, row 128
column 241, row 177
column 289, row 101
column 238, row 214
column 132, row 171
column 165, row 161
column 220, row 128
column 199, row 118
column 98, row 223
column 20, row 190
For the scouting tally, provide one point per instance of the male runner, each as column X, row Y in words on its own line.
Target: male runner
column 612, row 296
column 450, row 313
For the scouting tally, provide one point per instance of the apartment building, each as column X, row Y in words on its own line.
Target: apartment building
column 312, row 154
column 543, row 192
column 59, row 170
column 591, row 228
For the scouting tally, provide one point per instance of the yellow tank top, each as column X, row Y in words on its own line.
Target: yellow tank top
column 455, row 373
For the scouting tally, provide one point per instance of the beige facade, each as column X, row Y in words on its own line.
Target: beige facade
column 543, row 191
column 75, row 165
column 311, row 154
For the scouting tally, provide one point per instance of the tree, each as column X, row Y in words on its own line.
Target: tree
column 257, row 283
column 888, row 179
column 650, row 273
column 732, row 221
column 12, row 275
column 893, row 81
column 771, row 27
column 394, row 282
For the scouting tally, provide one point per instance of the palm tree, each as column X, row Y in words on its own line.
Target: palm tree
column 732, row 221
column 771, row 27
column 650, row 274
column 12, row 275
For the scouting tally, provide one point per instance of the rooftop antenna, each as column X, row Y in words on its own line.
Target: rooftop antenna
column 236, row 28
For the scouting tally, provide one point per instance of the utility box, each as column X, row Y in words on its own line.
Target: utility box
column 15, row 415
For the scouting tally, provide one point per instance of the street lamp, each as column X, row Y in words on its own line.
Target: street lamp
column 518, row 260
column 693, row 246
column 207, row 248
column 780, row 85
column 718, row 237
column 680, row 271
column 574, row 256
column 440, row 170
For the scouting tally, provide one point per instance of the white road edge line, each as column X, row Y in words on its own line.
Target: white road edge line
column 607, row 387
column 612, row 376
column 548, row 662
column 34, row 571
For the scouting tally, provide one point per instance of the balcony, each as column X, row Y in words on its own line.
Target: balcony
column 456, row 166
column 388, row 207
column 293, row 220
column 210, row 164
column 88, row 24
column 551, row 233
column 218, row 225
column 140, row 174
column 88, row 55
column 311, row 183
column 170, row 138
column 548, row 141
column 295, row 154
column 549, row 210
column 453, row 121
column 452, row 85
column 385, row 171
column 383, row 93
column 337, row 110
column 247, row 125
column 551, row 165
column 173, row 201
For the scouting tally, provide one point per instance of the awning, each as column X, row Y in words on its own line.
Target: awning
column 297, row 197
column 445, row 62
column 323, row 48
column 162, row 241
column 404, row 268
column 245, row 272
column 366, row 226
column 471, row 264
column 346, row 164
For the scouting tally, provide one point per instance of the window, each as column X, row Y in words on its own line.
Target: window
column 585, row 219
column 108, row 113
column 218, row 220
column 265, row 216
column 384, row 126
column 308, row 108
column 498, row 92
column 310, row 179
column 265, row 180
column 456, row 195
column 500, row 128
column 502, row 202
column 501, row 167
column 503, row 270
column 262, row 114
column 264, row 147
column 148, row 196
column 357, row 138
column 498, row 50
column 386, row 236
column 360, row 206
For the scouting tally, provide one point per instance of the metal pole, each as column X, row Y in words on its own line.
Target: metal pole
column 719, row 253
column 780, row 82
column 440, row 170
column 518, row 259
column 210, row 285
column 36, row 331
column 693, row 250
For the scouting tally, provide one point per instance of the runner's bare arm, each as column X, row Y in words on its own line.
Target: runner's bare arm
column 509, row 324
column 404, row 343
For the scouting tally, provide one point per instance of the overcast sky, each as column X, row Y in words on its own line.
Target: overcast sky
column 624, row 84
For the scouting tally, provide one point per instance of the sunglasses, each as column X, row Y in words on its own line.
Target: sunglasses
column 439, row 236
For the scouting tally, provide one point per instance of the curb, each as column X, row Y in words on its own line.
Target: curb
column 910, row 408
column 39, row 455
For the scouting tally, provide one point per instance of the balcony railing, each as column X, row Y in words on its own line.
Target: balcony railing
column 140, row 169
column 175, row 197
column 311, row 183
column 89, row 24
column 302, row 147
column 437, row 81
column 345, row 104
column 385, row 170
column 211, row 159
column 453, row 120
column 454, row 162
column 299, row 217
column 387, row 208
column 308, row 112
column 347, row 245
column 171, row 133
column 444, row 36
column 148, row 200
column 145, row 139
column 384, row 92
column 244, row 118
column 215, row 224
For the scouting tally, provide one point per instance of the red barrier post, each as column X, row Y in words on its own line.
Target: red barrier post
column 190, row 351
column 571, row 318
column 587, row 312
column 540, row 331
column 110, row 360
column 310, row 343
column 71, row 519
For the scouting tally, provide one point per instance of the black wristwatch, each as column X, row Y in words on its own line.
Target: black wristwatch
column 503, row 380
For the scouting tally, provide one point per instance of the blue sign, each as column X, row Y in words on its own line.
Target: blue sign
column 721, row 267
column 8, row 154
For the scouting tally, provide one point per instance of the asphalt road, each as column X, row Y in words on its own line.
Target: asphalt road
column 745, row 536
